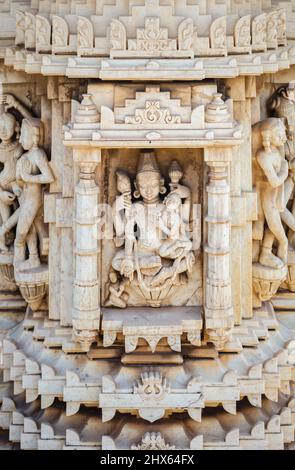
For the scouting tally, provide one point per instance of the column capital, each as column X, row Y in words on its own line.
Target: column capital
column 86, row 155
column 218, row 156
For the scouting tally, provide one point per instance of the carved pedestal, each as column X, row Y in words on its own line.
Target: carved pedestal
column 266, row 282
column 7, row 268
column 153, row 326
column 33, row 286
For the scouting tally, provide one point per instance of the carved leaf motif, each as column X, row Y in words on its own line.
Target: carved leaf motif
column 271, row 27
column 174, row 342
column 151, row 386
column 85, row 33
column 259, row 29
column 218, row 33
column 20, row 27
column 43, row 31
column 109, row 337
column 152, row 38
column 152, row 441
column 186, row 34
column 30, row 31
column 130, row 343
column 153, row 114
column 242, row 31
column 118, row 36
column 60, row 31
column 152, row 341
column 281, row 24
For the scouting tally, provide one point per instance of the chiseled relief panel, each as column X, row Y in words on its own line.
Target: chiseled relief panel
column 151, row 250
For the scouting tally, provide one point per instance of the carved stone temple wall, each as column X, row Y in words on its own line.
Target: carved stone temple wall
column 147, row 224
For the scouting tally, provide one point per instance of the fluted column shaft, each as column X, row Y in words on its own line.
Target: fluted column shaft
column 86, row 315
column 218, row 299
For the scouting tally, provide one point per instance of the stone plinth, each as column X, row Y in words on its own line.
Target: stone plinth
column 152, row 325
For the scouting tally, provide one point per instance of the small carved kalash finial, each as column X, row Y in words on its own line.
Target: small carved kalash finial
column 87, row 111
column 217, row 111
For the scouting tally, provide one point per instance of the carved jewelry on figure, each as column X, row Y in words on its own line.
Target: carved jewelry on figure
column 154, row 249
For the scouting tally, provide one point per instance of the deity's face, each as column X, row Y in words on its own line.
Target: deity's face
column 149, row 185
column 26, row 137
column 278, row 136
column 7, row 126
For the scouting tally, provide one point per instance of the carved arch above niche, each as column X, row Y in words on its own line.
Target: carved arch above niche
column 152, row 114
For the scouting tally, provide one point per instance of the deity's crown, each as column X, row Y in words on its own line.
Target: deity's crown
column 147, row 162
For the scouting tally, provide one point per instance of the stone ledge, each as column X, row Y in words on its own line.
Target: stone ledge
column 152, row 325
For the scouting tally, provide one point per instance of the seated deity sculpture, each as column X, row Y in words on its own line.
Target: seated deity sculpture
column 154, row 249
column 10, row 152
column 271, row 171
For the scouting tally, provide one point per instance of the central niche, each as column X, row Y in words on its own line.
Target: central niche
column 151, row 247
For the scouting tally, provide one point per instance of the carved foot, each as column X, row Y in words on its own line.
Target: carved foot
column 32, row 263
column 163, row 275
column 267, row 258
column 116, row 302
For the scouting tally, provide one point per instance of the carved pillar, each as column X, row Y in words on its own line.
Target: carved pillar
column 218, row 299
column 86, row 314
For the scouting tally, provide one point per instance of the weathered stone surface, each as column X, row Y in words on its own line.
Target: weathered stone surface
column 147, row 221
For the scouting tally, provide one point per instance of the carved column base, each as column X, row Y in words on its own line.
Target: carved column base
column 33, row 285
column 266, row 282
column 219, row 329
column 85, row 337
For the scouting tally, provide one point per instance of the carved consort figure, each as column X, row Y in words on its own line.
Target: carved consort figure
column 282, row 105
column 271, row 171
column 10, row 152
column 32, row 171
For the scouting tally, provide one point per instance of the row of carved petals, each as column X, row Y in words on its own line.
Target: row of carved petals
column 45, row 33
